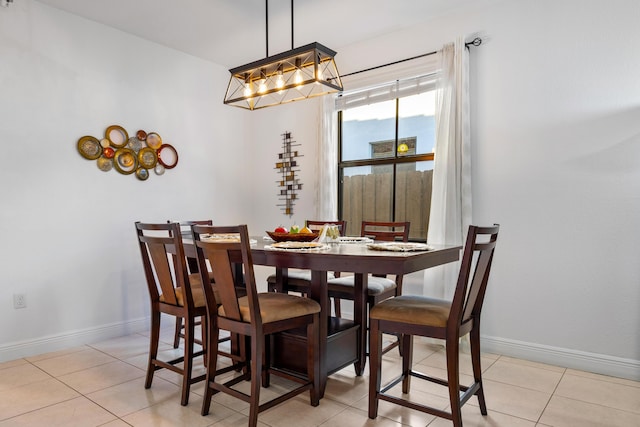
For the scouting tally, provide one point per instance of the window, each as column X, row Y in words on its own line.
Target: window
column 386, row 152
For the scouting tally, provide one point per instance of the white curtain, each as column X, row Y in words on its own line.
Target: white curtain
column 327, row 206
column 450, row 214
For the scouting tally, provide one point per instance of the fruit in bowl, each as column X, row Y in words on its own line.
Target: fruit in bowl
column 300, row 236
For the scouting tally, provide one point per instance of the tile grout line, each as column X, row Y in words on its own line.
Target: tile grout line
column 551, row 396
column 51, row 377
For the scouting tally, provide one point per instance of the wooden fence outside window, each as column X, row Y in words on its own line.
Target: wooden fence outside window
column 368, row 197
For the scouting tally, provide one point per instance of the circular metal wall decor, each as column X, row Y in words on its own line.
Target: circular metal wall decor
column 135, row 144
column 105, row 164
column 108, row 152
column 167, row 156
column 89, row 147
column 137, row 155
column 125, row 161
column 154, row 140
column 142, row 174
column 117, row 136
column 147, row 157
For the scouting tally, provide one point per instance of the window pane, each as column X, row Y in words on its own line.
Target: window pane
column 416, row 124
column 366, row 195
column 368, row 132
column 413, row 197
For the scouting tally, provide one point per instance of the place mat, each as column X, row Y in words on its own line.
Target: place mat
column 399, row 246
column 355, row 239
column 298, row 246
column 224, row 238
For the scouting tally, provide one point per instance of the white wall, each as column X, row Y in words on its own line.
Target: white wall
column 556, row 155
column 68, row 240
column 558, row 165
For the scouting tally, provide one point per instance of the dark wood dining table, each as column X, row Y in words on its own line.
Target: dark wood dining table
column 342, row 341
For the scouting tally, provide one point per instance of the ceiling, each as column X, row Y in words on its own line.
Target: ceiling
column 232, row 32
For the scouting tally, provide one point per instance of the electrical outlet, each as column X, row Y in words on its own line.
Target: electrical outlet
column 19, row 301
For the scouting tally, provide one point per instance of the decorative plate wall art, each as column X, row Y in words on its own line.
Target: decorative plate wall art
column 138, row 155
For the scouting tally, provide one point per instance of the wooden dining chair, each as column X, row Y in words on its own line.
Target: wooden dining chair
column 380, row 287
column 174, row 292
column 442, row 319
column 300, row 280
column 256, row 316
column 185, row 230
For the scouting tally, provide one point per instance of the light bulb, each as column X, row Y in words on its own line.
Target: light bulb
column 247, row 89
column 279, row 78
column 319, row 69
column 248, row 92
column 297, row 76
column 262, row 85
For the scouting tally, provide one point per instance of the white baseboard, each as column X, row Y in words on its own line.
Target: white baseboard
column 71, row 339
column 567, row 358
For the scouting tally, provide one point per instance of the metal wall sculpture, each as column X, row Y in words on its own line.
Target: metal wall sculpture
column 288, row 166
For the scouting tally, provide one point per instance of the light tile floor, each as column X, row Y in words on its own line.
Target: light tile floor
column 103, row 385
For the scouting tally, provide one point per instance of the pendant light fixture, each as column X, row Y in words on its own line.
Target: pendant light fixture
column 299, row 73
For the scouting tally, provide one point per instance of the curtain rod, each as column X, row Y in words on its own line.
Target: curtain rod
column 475, row 42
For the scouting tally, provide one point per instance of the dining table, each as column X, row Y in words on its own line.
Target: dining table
column 342, row 341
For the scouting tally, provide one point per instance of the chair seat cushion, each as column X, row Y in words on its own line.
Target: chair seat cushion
column 375, row 285
column 275, row 307
column 196, row 292
column 299, row 275
column 413, row 309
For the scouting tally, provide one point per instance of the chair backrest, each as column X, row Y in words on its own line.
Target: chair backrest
column 223, row 255
column 165, row 271
column 185, row 230
column 474, row 275
column 316, row 225
column 386, row 231
column 185, row 226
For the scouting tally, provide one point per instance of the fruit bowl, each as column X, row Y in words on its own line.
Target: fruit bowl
column 292, row 237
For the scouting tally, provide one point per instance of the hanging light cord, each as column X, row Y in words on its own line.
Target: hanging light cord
column 266, row 19
column 291, row 24
column 266, row 8
column 475, row 42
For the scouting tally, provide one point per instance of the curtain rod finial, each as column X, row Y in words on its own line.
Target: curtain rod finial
column 475, row 42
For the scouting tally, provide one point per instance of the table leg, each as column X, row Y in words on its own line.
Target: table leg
column 281, row 277
column 360, row 318
column 318, row 292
